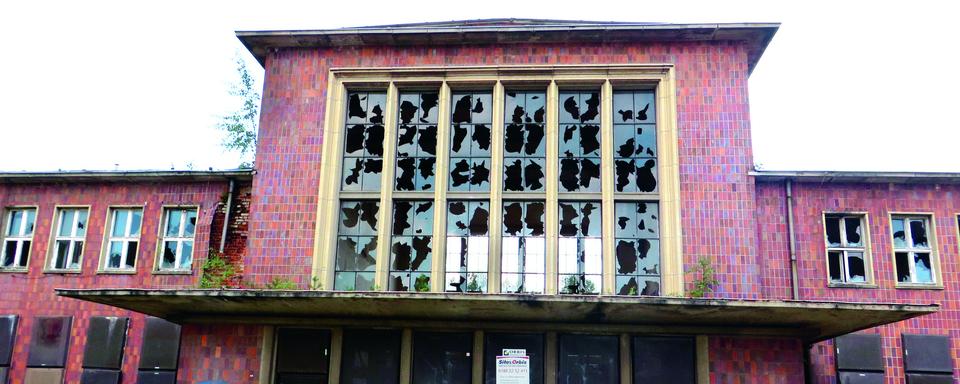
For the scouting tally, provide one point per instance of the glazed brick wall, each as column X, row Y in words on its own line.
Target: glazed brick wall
column 31, row 294
column 742, row 360
column 229, row 353
column 878, row 200
column 714, row 140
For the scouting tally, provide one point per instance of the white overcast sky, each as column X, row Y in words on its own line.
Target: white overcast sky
column 139, row 85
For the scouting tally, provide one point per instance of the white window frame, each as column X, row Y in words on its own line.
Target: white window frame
column 73, row 238
column 19, row 238
column 911, row 250
column 127, row 239
column 180, row 239
column 845, row 249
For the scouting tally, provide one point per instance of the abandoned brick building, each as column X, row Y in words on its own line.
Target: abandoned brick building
column 434, row 202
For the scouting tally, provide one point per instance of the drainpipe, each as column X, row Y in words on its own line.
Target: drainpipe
column 226, row 218
column 794, row 279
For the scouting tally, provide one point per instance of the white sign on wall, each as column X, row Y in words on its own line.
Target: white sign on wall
column 513, row 369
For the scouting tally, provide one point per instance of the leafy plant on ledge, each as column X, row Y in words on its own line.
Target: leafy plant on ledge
column 216, row 272
column 422, row 284
column 704, row 278
column 278, row 283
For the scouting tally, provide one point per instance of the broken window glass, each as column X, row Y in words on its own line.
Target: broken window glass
column 913, row 250
column 470, row 124
column 637, row 247
column 416, row 141
column 523, row 247
column 524, row 146
column 580, row 248
column 412, row 246
column 467, row 246
column 579, row 144
column 68, row 245
column 363, row 142
column 17, row 238
column 846, row 260
column 124, row 238
column 356, row 246
column 634, row 142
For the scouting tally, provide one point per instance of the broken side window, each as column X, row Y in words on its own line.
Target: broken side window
column 580, row 248
column 470, row 124
column 416, row 141
column 523, row 247
column 467, row 246
column 634, row 141
column 913, row 251
column 363, row 142
column 179, row 228
column 17, row 237
column 412, row 247
column 356, row 246
column 846, row 252
column 579, row 144
column 68, row 244
column 637, row 243
column 524, row 146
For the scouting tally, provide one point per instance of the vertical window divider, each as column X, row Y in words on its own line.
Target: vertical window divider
column 608, row 261
column 328, row 214
column 384, row 232
column 552, row 229
column 671, row 243
column 496, row 191
column 437, row 270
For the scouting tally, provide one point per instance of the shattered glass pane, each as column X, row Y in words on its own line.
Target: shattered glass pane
column 924, row 273
column 634, row 142
column 524, row 146
column 853, row 229
column 834, row 263
column 918, row 233
column 467, row 246
column 416, row 142
column 856, row 267
column 580, row 247
column 356, row 245
column 833, row 231
column 523, row 247
column 903, row 267
column 363, row 142
column 579, row 144
column 470, row 142
column 899, row 235
column 411, row 247
column 637, row 247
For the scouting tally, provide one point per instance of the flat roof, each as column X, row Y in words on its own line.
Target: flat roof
column 811, row 321
column 86, row 176
column 510, row 31
column 859, row 177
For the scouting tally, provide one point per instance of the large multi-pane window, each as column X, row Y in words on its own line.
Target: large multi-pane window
column 124, row 238
column 468, row 242
column 913, row 250
column 179, row 228
column 17, row 237
column 71, row 230
column 499, row 185
column 846, row 248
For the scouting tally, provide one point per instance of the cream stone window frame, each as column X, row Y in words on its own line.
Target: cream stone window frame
column 658, row 77
column 126, row 240
column 867, row 249
column 73, row 239
column 21, row 235
column 180, row 239
column 934, row 250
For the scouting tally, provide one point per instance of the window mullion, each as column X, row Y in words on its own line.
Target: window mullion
column 551, row 206
column 438, row 269
column 607, row 265
column 496, row 191
column 386, row 188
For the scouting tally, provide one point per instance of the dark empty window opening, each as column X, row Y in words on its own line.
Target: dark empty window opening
column 637, row 247
column 500, row 344
column 589, row 359
column 370, row 357
column 634, row 141
column 523, row 247
column 580, row 248
column 356, row 246
column 442, row 357
column 363, row 142
column 579, row 141
column 302, row 356
column 467, row 246
column 846, row 248
column 470, row 124
column 664, row 359
column 411, row 249
column 524, row 145
column 417, row 141
column 912, row 249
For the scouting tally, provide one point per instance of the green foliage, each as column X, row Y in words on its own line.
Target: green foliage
column 278, row 283
column 704, row 278
column 473, row 285
column 422, row 284
column 216, row 272
column 240, row 126
column 578, row 285
column 315, row 284
column 633, row 291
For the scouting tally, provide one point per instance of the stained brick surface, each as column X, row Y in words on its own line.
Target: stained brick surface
column 741, row 360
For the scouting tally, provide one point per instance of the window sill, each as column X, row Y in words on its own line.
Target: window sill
column 853, row 285
column 62, row 271
column 14, row 270
column 117, row 272
column 174, row 272
column 937, row 287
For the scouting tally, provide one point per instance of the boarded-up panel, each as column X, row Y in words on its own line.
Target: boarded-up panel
column 589, row 359
column 860, row 377
column 929, row 378
column 301, row 378
column 48, row 343
column 859, row 352
column 927, row 354
column 8, row 333
column 303, row 351
column 100, row 376
column 370, row 356
column 105, row 339
column 161, row 345
column 156, row 377
column 43, row 376
column 440, row 357
column 664, row 359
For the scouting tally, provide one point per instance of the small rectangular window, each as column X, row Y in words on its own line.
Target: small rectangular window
column 71, row 230
column 123, row 239
column 179, row 228
column 470, row 124
column 411, row 251
column 49, row 341
column 467, row 246
column 913, row 250
column 105, row 340
column 580, row 248
column 523, row 247
column 303, row 356
column 845, row 236
column 17, row 237
column 356, row 266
